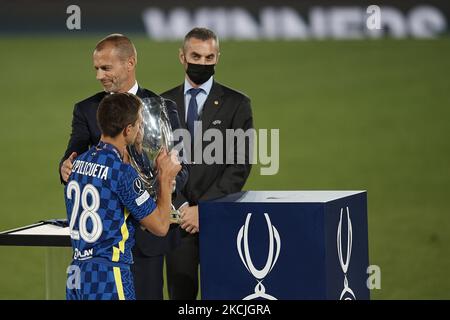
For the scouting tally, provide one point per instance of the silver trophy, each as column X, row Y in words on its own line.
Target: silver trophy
column 157, row 134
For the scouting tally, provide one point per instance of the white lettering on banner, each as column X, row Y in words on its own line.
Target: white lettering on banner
column 344, row 22
column 426, row 22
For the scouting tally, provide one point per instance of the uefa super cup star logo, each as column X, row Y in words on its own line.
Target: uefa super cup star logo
column 274, row 238
column 347, row 293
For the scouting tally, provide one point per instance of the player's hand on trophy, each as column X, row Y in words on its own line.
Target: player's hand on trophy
column 66, row 168
column 189, row 216
column 168, row 166
column 139, row 140
column 174, row 156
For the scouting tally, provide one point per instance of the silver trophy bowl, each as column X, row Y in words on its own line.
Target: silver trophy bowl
column 157, row 134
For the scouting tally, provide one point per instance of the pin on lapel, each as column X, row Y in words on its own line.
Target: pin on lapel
column 216, row 102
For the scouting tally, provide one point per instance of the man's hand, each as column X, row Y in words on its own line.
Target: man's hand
column 66, row 168
column 189, row 216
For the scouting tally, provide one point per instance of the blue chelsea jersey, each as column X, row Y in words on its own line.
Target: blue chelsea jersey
column 101, row 195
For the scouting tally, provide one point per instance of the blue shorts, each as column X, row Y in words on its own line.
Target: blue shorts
column 99, row 279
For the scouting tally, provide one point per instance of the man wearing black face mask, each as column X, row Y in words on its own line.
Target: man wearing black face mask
column 201, row 98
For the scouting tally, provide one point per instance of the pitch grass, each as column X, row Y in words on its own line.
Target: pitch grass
column 368, row 115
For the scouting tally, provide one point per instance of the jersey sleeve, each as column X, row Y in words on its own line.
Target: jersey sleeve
column 133, row 195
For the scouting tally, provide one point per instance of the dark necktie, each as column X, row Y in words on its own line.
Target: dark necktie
column 192, row 111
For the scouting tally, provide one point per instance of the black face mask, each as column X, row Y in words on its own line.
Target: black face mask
column 200, row 73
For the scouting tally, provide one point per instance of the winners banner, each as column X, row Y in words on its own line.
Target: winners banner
column 249, row 20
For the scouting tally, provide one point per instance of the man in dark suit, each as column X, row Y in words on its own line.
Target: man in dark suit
column 216, row 106
column 115, row 64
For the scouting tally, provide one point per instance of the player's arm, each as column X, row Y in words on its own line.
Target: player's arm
column 158, row 221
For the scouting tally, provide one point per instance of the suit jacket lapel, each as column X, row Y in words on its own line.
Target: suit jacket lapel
column 212, row 104
column 179, row 100
column 143, row 93
column 140, row 93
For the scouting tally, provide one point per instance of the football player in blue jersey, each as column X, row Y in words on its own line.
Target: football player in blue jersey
column 103, row 193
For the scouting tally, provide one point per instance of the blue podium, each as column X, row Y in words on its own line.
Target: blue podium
column 285, row 245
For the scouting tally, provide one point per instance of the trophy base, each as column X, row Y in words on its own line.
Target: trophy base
column 175, row 216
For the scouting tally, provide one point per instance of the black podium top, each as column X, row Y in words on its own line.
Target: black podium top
column 50, row 233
